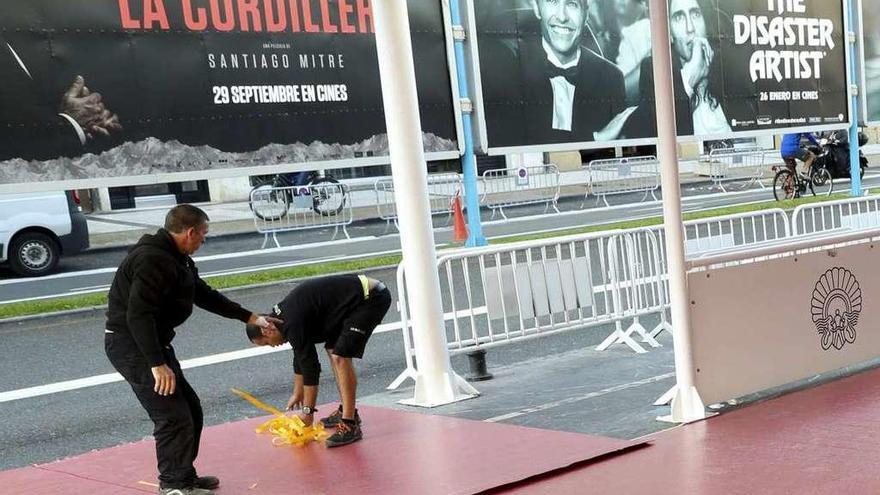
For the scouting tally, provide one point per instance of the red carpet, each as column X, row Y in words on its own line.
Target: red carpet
column 824, row 440
column 402, row 453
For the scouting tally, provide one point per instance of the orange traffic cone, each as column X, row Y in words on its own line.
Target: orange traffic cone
column 459, row 227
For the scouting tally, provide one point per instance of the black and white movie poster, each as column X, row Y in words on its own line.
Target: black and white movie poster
column 870, row 23
column 95, row 89
column 578, row 73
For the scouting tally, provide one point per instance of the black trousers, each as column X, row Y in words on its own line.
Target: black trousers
column 177, row 418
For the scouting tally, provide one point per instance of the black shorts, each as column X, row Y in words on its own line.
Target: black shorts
column 360, row 323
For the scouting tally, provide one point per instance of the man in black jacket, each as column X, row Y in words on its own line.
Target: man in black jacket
column 153, row 292
column 340, row 311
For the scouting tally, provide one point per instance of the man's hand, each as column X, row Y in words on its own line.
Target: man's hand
column 696, row 69
column 612, row 131
column 88, row 110
column 308, row 419
column 166, row 383
column 266, row 322
column 295, row 401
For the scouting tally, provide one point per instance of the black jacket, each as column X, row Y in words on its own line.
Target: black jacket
column 154, row 291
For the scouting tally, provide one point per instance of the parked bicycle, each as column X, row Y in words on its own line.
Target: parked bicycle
column 788, row 183
column 271, row 199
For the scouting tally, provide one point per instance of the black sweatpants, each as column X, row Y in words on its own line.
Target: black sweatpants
column 177, row 418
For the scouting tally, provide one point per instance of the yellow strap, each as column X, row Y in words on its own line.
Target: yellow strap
column 365, row 283
column 286, row 430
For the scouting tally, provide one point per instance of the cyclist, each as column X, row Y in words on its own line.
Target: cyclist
column 792, row 149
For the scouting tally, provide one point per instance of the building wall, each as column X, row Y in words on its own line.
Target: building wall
column 228, row 190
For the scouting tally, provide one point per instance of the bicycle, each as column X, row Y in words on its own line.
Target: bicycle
column 271, row 199
column 788, row 184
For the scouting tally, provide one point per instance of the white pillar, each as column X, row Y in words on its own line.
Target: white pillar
column 686, row 405
column 104, row 199
column 436, row 382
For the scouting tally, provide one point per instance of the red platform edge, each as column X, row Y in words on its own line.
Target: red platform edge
column 402, row 452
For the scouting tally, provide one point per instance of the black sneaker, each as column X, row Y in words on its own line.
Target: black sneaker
column 345, row 434
column 207, row 482
column 335, row 418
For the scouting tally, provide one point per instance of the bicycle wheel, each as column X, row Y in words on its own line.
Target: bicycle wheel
column 821, row 182
column 328, row 196
column 784, row 185
column 267, row 203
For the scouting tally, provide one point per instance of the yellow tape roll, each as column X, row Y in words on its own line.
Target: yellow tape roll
column 286, row 430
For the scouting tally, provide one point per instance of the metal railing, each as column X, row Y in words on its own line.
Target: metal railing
column 846, row 214
column 741, row 229
column 728, row 164
column 442, row 188
column 290, row 208
column 622, row 176
column 496, row 295
column 638, row 288
column 503, row 188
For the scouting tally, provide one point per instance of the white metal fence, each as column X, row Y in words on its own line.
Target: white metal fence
column 729, row 231
column 622, row 176
column 496, row 295
column 847, row 214
column 500, row 294
column 290, row 208
column 442, row 188
column 518, row 186
column 637, row 274
column 727, row 164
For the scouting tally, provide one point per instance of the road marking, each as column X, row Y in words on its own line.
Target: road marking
column 236, row 271
column 570, row 400
column 243, row 254
column 93, row 287
column 93, row 381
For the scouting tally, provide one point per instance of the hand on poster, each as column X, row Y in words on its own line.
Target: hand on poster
column 88, row 110
column 696, row 69
column 612, row 130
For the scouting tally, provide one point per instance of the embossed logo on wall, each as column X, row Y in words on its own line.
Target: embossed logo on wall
column 835, row 308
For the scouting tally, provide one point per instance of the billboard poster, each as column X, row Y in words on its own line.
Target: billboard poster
column 576, row 74
column 870, row 69
column 122, row 91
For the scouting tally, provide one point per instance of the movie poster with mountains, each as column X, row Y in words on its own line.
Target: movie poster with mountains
column 122, row 90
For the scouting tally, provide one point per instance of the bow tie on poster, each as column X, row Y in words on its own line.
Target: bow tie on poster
column 570, row 74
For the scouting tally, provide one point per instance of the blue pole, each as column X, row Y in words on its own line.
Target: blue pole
column 854, row 165
column 468, row 161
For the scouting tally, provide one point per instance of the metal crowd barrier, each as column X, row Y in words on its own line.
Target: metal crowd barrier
column 741, row 229
column 638, row 288
column 727, row 164
column 847, row 214
column 518, row 186
column 496, row 295
column 290, row 208
column 622, row 176
column 442, row 188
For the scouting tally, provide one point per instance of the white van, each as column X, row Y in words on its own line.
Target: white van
column 37, row 228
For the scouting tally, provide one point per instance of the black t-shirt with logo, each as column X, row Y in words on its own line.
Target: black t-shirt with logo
column 313, row 312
